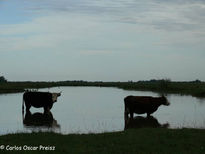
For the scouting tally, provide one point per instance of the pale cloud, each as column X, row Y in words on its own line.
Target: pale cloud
column 43, row 33
column 73, row 21
column 165, row 15
column 130, row 39
column 95, row 52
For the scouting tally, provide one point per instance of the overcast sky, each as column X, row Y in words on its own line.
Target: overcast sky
column 107, row 40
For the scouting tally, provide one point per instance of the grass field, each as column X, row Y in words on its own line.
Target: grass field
column 145, row 140
column 194, row 88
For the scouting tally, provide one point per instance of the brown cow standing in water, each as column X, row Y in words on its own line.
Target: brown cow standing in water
column 143, row 104
column 39, row 99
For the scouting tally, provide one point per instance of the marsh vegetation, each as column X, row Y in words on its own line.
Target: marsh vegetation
column 194, row 88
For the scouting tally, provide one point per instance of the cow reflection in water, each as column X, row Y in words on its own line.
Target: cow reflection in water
column 144, row 122
column 37, row 119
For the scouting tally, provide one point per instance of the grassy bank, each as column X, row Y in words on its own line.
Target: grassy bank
column 148, row 140
column 195, row 88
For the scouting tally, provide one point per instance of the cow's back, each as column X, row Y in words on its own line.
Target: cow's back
column 140, row 104
column 38, row 99
column 137, row 100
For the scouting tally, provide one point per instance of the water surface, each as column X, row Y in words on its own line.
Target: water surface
column 96, row 110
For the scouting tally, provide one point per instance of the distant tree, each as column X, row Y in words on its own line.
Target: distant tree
column 197, row 81
column 164, row 83
column 2, row 79
column 153, row 80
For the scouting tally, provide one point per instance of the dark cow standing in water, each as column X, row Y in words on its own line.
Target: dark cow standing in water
column 39, row 99
column 143, row 104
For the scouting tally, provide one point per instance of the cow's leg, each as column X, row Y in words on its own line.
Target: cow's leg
column 46, row 109
column 148, row 114
column 126, row 123
column 131, row 114
column 28, row 106
column 126, row 112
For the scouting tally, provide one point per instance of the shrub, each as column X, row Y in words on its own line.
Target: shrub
column 2, row 79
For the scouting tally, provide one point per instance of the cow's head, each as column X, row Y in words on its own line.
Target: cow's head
column 55, row 96
column 165, row 101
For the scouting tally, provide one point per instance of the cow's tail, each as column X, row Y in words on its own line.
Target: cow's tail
column 126, row 111
column 23, row 108
column 125, row 103
column 23, row 105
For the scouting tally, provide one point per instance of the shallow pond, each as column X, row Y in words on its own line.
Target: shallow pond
column 95, row 110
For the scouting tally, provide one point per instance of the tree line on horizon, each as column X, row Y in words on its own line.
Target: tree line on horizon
column 2, row 79
column 162, row 81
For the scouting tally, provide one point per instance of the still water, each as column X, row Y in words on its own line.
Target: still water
column 96, row 110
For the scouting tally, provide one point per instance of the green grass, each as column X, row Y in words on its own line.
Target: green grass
column 146, row 140
column 196, row 89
